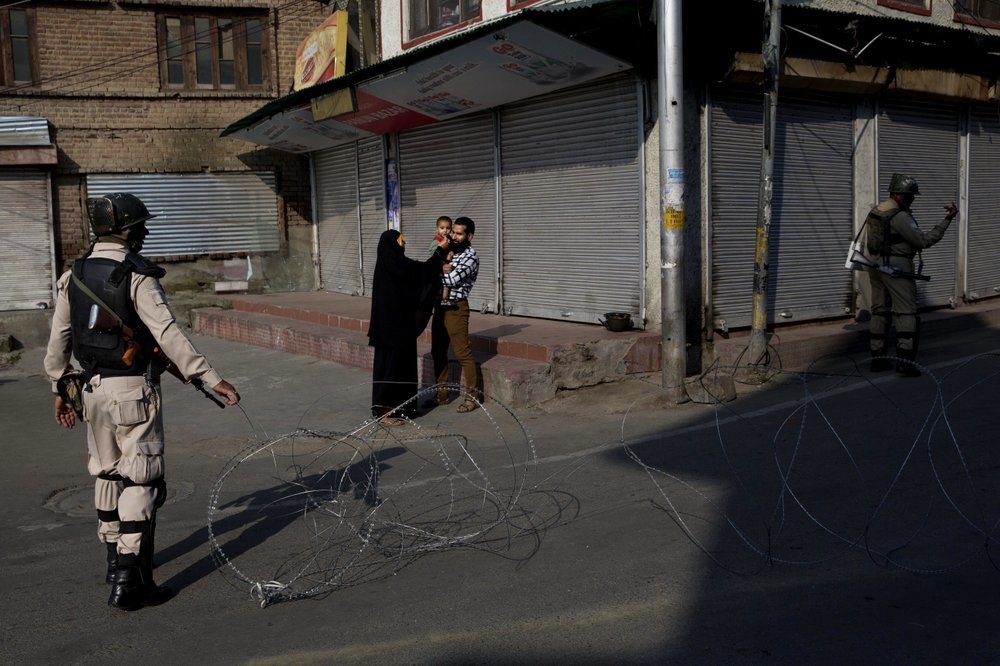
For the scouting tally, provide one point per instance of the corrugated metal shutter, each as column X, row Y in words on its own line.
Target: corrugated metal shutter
column 25, row 240
column 921, row 140
column 812, row 207
column 449, row 169
column 983, row 272
column 338, row 218
column 24, row 131
column 201, row 213
column 371, row 189
column 573, row 203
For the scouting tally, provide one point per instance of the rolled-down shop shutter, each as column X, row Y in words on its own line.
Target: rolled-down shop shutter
column 338, row 221
column 572, row 203
column 450, row 169
column 983, row 271
column 921, row 140
column 371, row 199
column 201, row 213
column 25, row 240
column 812, row 208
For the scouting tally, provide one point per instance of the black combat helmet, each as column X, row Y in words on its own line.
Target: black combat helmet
column 903, row 184
column 114, row 213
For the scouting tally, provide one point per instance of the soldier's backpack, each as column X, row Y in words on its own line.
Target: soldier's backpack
column 877, row 231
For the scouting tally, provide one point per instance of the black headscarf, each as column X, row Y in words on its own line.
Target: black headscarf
column 399, row 287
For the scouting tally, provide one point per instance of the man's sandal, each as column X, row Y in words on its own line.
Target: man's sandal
column 437, row 401
column 467, row 407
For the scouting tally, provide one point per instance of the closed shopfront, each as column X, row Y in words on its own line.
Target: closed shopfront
column 450, row 169
column 983, row 270
column 567, row 176
column 201, row 213
column 567, row 182
column 25, row 240
column 812, row 208
column 572, row 203
column 371, row 204
column 349, row 183
column 921, row 140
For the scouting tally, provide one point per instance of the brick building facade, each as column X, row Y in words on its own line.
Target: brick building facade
column 146, row 88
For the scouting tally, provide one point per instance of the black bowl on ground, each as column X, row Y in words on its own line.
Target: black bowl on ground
column 616, row 321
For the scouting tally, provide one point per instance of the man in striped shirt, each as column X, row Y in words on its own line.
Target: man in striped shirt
column 451, row 320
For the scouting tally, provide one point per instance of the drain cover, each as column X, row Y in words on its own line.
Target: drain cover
column 78, row 501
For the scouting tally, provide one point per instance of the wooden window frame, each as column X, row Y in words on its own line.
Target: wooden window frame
column 6, row 62
column 240, row 60
column 411, row 40
column 514, row 5
column 971, row 19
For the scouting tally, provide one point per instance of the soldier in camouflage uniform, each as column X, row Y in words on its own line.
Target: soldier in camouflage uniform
column 893, row 239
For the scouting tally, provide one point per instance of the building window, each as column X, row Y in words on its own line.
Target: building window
column 213, row 52
column 975, row 11
column 922, row 7
column 519, row 4
column 430, row 16
column 19, row 61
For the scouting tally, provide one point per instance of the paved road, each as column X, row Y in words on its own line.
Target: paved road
column 835, row 520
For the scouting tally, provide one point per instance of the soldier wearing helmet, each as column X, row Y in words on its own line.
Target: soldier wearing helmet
column 893, row 239
column 110, row 314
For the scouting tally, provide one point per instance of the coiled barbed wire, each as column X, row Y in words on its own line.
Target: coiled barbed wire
column 318, row 509
column 896, row 476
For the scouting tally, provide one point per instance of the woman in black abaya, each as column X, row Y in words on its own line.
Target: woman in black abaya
column 400, row 288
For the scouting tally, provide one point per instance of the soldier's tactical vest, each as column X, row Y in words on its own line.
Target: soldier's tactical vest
column 100, row 349
column 878, row 234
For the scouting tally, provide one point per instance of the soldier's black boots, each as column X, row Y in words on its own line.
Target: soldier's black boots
column 133, row 586
column 907, row 369
column 112, row 561
column 879, row 363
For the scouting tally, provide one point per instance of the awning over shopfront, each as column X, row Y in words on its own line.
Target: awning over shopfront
column 521, row 55
column 25, row 141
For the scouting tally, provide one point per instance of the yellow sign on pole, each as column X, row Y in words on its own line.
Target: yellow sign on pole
column 673, row 219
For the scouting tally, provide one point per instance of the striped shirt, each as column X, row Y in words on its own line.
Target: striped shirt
column 464, row 271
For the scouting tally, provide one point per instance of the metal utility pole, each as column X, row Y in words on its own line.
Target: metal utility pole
column 670, row 107
column 757, row 352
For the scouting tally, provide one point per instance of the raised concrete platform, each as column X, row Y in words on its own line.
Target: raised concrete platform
column 523, row 361
column 796, row 347
column 526, row 361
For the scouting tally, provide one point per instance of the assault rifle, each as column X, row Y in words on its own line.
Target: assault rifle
column 895, row 272
column 172, row 368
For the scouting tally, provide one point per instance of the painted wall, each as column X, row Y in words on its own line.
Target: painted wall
column 393, row 23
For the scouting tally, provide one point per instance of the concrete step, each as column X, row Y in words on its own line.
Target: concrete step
column 354, row 316
column 512, row 380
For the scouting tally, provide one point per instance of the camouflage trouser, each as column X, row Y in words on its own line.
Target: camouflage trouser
column 895, row 297
column 124, row 438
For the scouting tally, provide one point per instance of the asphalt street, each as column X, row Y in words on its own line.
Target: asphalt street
column 831, row 517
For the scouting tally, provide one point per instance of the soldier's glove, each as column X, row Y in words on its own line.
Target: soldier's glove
column 70, row 387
